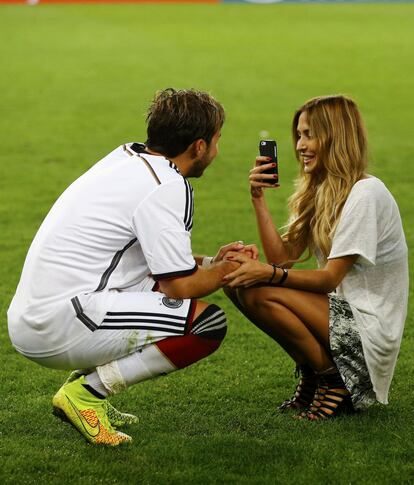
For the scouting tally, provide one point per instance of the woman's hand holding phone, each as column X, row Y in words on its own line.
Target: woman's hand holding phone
column 259, row 179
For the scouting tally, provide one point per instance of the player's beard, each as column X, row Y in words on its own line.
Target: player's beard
column 199, row 164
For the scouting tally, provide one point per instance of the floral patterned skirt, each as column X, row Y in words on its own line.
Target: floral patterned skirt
column 347, row 353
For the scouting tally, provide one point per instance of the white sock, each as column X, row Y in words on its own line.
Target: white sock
column 146, row 364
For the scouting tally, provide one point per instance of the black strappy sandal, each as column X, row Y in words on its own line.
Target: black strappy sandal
column 331, row 399
column 305, row 390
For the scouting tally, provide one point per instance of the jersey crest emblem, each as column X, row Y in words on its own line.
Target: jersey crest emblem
column 172, row 302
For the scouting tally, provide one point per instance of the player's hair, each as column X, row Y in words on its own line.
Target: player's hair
column 176, row 119
column 317, row 203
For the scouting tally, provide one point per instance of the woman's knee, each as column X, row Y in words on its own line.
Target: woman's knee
column 254, row 297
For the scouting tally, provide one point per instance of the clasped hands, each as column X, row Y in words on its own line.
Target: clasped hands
column 250, row 272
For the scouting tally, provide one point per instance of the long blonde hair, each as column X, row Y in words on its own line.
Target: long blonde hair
column 317, row 203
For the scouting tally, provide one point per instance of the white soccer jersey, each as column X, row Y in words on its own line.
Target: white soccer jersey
column 123, row 224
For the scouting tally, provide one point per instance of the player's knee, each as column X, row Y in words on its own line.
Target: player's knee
column 210, row 324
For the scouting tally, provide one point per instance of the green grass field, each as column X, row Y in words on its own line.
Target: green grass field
column 75, row 82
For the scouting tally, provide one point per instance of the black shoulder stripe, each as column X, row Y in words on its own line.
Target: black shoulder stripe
column 190, row 226
column 187, row 203
column 150, row 169
column 114, row 263
column 189, row 206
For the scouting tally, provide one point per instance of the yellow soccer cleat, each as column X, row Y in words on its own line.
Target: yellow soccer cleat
column 116, row 417
column 87, row 413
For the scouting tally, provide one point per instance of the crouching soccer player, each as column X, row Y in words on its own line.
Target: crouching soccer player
column 110, row 285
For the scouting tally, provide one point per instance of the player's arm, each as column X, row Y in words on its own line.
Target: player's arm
column 209, row 275
column 161, row 223
column 202, row 282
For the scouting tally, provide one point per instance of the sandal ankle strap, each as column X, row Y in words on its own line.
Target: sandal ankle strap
column 304, row 370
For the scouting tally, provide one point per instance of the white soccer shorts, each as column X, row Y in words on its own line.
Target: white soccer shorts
column 131, row 320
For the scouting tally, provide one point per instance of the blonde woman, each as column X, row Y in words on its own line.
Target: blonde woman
column 342, row 323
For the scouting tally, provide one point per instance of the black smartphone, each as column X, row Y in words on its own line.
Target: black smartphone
column 268, row 148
